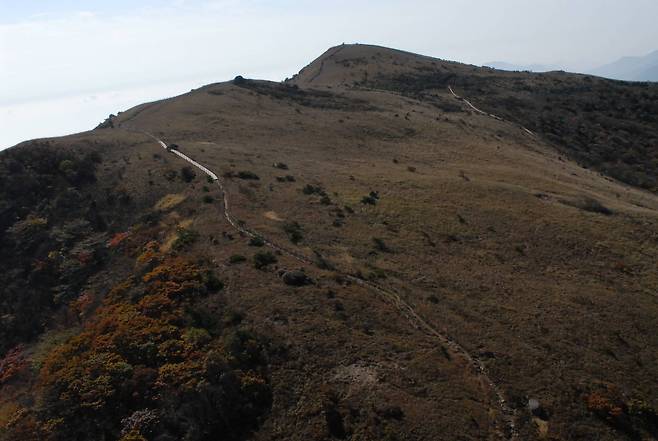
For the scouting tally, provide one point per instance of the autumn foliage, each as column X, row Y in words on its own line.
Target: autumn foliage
column 634, row 417
column 12, row 364
column 148, row 367
column 117, row 239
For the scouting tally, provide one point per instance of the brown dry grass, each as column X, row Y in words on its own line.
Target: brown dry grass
column 552, row 296
column 513, row 270
column 169, row 201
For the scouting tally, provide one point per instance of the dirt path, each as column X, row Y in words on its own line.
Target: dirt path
column 481, row 112
column 319, row 72
column 508, row 415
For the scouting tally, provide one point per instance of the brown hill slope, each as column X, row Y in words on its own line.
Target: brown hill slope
column 608, row 125
column 542, row 272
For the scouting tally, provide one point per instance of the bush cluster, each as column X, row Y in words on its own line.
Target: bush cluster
column 263, row 259
column 294, row 231
column 370, row 199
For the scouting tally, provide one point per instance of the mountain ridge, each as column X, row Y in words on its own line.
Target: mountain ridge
column 629, row 68
column 632, row 68
column 535, row 67
column 145, row 298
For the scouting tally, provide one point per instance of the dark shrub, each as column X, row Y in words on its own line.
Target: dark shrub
column 313, row 189
column 377, row 273
column 322, row 263
column 368, row 200
column 294, row 232
column 208, row 199
column 590, row 204
column 248, row 175
column 296, row 278
column 108, row 123
column 236, row 258
column 187, row 174
column 287, row 178
column 213, row 283
column 371, row 198
column 333, row 417
column 185, row 238
column 381, row 245
column 263, row 259
column 594, row 206
column 256, row 242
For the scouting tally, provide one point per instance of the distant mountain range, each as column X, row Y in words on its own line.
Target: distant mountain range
column 502, row 65
column 641, row 68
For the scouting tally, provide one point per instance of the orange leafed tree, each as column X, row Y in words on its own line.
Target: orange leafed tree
column 118, row 239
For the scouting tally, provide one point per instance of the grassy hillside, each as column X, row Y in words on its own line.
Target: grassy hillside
column 499, row 263
column 610, row 126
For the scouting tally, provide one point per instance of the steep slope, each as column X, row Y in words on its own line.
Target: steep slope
column 109, row 325
column 453, row 256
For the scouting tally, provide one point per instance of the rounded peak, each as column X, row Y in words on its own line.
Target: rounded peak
column 347, row 64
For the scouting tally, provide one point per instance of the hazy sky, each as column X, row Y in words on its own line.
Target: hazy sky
column 66, row 64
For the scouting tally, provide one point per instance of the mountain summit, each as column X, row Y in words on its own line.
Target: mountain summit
column 385, row 246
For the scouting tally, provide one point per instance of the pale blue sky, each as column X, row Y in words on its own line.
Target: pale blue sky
column 66, row 64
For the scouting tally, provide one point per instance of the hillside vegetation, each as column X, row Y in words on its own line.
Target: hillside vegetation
column 391, row 264
column 611, row 126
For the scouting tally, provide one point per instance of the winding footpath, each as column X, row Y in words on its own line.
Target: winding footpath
column 508, row 415
column 481, row 112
